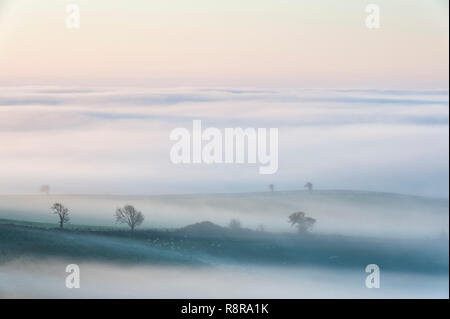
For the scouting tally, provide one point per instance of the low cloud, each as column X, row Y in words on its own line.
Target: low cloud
column 353, row 139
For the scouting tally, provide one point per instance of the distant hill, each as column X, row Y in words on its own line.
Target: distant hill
column 203, row 228
column 343, row 212
column 206, row 243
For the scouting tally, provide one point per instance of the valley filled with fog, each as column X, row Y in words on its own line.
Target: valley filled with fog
column 377, row 161
column 185, row 248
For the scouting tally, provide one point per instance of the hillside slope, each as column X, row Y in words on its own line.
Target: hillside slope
column 337, row 212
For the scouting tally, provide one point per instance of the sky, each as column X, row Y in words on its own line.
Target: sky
column 90, row 110
column 252, row 43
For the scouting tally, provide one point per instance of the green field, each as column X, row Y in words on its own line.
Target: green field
column 183, row 256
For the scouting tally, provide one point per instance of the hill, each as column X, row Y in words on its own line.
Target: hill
column 337, row 212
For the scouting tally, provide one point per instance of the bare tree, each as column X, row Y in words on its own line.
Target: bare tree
column 272, row 188
column 130, row 216
column 234, row 224
column 45, row 189
column 302, row 222
column 62, row 212
column 309, row 186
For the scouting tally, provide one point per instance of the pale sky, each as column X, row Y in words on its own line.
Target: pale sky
column 251, row 43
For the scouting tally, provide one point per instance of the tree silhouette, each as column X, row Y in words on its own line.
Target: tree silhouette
column 62, row 212
column 309, row 186
column 234, row 224
column 301, row 221
column 45, row 189
column 130, row 216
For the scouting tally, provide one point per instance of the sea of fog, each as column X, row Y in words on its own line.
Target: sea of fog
column 46, row 279
column 111, row 140
column 115, row 141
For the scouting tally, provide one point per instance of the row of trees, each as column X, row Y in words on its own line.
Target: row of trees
column 299, row 220
column 126, row 215
column 130, row 216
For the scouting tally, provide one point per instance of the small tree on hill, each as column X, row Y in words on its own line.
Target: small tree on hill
column 302, row 222
column 45, row 189
column 235, row 224
column 130, row 216
column 309, row 186
column 62, row 212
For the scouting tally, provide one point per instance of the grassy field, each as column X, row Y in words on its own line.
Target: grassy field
column 206, row 243
column 406, row 236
